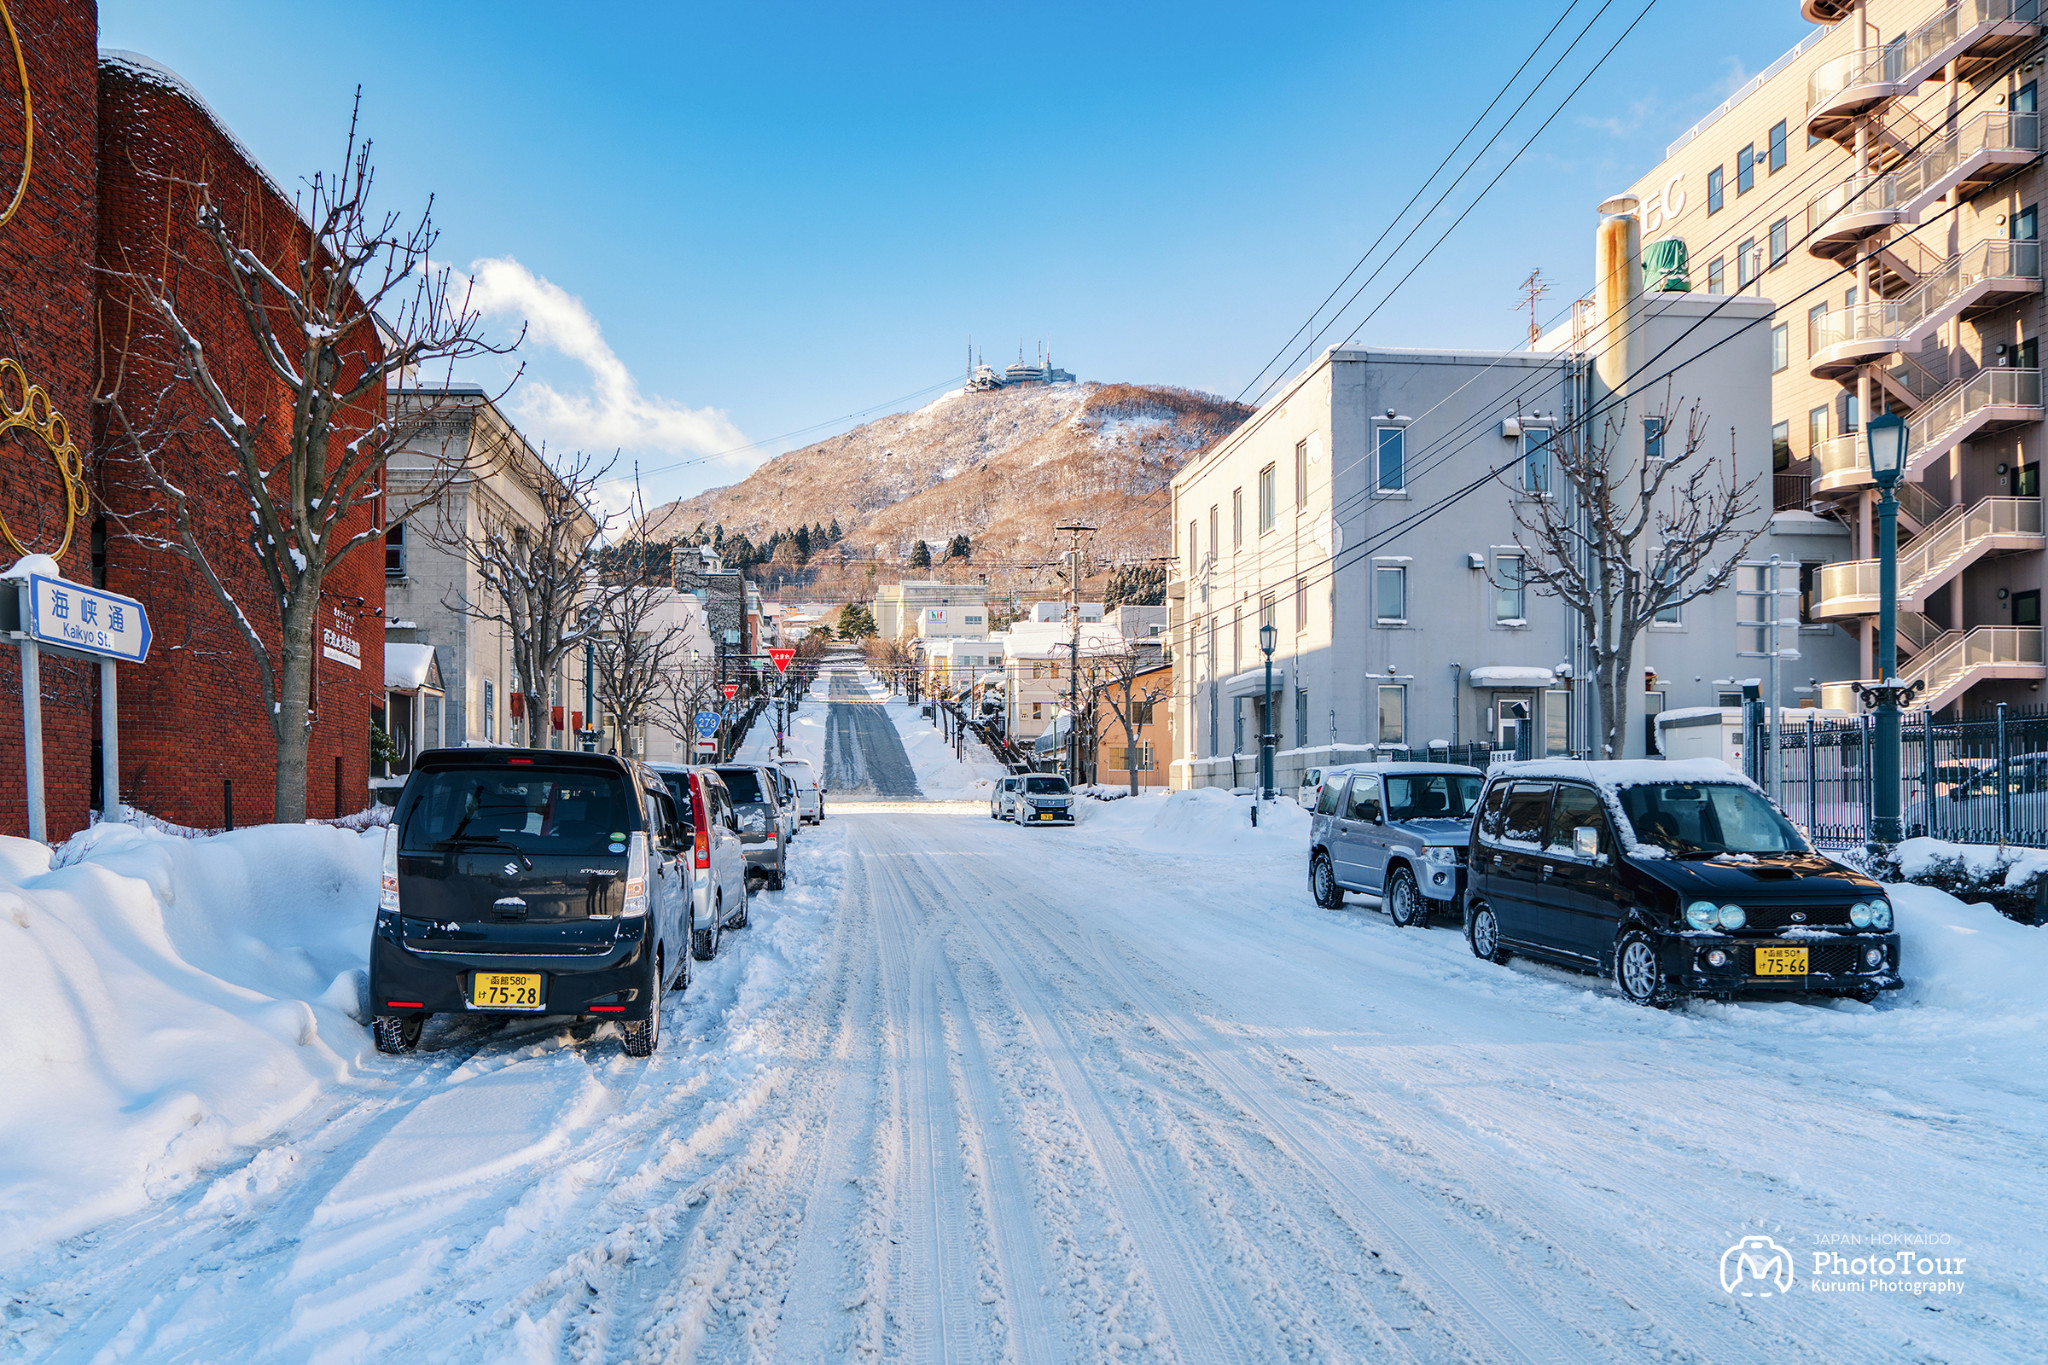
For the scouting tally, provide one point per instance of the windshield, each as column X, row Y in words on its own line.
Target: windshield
column 1707, row 818
column 533, row 811
column 744, row 784
column 1432, row 796
column 1046, row 786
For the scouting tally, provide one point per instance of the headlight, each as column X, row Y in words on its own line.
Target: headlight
column 1701, row 914
column 1873, row 957
column 1859, row 915
column 1447, row 856
column 1880, row 914
column 1732, row 917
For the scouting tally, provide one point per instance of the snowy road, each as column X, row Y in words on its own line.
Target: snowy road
column 970, row 1092
column 864, row 754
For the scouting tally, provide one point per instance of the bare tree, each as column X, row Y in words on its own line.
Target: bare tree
column 537, row 554
column 350, row 301
column 1619, row 546
column 1122, row 686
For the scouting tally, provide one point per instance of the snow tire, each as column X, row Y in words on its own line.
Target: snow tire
column 1637, row 973
column 1482, row 932
column 1405, row 905
column 640, row 1037
column 1322, row 883
column 397, row 1032
column 745, row 916
column 704, row 942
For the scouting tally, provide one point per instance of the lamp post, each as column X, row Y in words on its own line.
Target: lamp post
column 1267, row 638
column 1886, row 435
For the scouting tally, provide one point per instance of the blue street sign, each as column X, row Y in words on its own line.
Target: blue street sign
column 707, row 724
column 71, row 616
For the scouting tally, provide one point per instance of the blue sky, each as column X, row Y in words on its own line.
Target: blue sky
column 727, row 223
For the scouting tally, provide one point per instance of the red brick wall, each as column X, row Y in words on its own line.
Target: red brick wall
column 194, row 717
column 46, row 290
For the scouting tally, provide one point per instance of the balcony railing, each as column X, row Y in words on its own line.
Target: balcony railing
column 1915, row 57
column 1791, row 492
column 1948, row 668
column 1956, row 413
column 1850, row 586
column 1892, row 323
column 1861, row 204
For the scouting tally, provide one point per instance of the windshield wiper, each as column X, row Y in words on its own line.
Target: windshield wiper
column 455, row 841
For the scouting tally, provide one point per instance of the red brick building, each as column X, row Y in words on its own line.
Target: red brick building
column 119, row 148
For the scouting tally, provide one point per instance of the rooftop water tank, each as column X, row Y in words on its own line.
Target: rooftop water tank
column 1664, row 267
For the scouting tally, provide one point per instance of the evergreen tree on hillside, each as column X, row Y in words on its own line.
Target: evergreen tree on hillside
column 1135, row 585
column 833, row 533
column 960, row 548
column 803, row 543
column 819, row 540
column 921, row 557
column 739, row 552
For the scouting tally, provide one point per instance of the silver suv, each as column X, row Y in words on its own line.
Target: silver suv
column 1398, row 831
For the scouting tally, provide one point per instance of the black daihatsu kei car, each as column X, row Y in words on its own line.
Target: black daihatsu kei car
column 1674, row 879
column 531, row 881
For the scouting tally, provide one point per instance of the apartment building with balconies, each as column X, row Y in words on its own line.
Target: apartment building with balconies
column 1881, row 185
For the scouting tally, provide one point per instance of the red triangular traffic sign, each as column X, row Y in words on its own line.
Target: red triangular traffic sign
column 781, row 658
column 731, row 690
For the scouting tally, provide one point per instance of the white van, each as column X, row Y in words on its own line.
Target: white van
column 810, row 795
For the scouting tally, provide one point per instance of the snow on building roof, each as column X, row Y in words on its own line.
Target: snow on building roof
column 407, row 667
column 1511, row 675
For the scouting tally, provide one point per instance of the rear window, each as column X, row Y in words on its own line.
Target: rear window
column 744, row 785
column 533, row 810
column 1044, row 786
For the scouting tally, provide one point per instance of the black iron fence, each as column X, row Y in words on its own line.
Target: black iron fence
column 1983, row 780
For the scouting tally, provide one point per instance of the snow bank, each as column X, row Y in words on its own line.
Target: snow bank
column 2013, row 866
column 168, row 1000
column 1206, row 820
column 940, row 776
column 1968, row 957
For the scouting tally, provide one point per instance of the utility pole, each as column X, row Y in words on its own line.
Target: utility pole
column 1074, row 530
column 1532, row 289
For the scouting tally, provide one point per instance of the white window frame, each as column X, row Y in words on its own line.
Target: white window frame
column 1549, row 472
column 1380, row 713
column 1399, row 567
column 1380, row 434
column 1520, row 620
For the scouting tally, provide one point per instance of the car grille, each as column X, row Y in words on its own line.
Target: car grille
column 1829, row 959
column 1769, row 919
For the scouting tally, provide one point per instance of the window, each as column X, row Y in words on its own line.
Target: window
column 1301, row 718
column 1301, row 604
column 1267, row 615
column 1052, row 670
column 1301, row 472
column 1849, row 297
column 1194, row 554
column 1393, row 459
column 1236, row 639
column 1236, row 518
column 1778, row 145
column 1038, row 710
column 1557, row 726
column 490, row 712
column 1781, row 242
column 1390, row 593
column 2026, row 608
column 1653, row 438
column 2028, row 356
column 1745, row 263
column 1215, row 534
column 1037, row 672
column 1666, row 616
column 394, row 551
column 1780, row 349
column 1714, row 191
column 974, row 620
column 1717, row 279
column 1781, row 445
column 1535, row 460
column 1809, row 583
column 2026, row 224
column 1816, row 318
column 1269, row 498
column 1847, row 420
column 1816, row 429
column 1393, row 713
column 1509, row 595
column 1745, row 169
column 2024, row 99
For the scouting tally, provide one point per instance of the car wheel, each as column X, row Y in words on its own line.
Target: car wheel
column 1482, row 931
column 1322, row 883
column 1637, row 972
column 397, row 1032
column 747, row 905
column 1404, row 899
column 681, row 980
column 705, row 941
column 775, row 879
column 641, row 1036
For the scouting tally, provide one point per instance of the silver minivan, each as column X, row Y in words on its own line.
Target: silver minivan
column 1398, row 831
column 1002, row 803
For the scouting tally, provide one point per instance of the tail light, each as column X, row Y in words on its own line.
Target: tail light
column 387, row 898
column 701, row 822
column 636, row 877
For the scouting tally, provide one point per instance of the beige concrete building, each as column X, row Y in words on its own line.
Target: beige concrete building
column 1881, row 185
column 930, row 610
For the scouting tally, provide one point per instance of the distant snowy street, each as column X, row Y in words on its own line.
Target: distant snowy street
column 968, row 1091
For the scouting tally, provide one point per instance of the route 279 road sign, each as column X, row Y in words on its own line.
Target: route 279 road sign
column 707, row 724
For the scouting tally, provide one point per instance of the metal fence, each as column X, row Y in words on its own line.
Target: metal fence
column 1982, row 780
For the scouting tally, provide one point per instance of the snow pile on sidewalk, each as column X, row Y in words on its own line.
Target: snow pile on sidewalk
column 1968, row 957
column 1206, row 820
column 940, row 776
column 167, row 1000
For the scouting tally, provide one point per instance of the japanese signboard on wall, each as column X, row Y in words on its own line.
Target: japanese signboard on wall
column 338, row 640
column 72, row 616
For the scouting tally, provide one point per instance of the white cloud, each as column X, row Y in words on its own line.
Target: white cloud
column 613, row 414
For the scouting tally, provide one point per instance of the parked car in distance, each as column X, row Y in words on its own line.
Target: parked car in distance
column 1311, row 790
column 718, row 857
column 1002, row 803
column 1394, row 830
column 1043, row 799
column 810, row 793
column 531, row 881
column 1967, row 802
column 1673, row 878
column 785, row 801
column 759, row 813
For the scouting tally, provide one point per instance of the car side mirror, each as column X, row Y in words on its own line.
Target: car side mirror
column 1585, row 842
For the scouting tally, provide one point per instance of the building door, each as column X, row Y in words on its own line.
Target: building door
column 1514, row 724
column 2026, row 608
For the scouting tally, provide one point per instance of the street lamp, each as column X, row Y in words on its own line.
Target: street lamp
column 1886, row 434
column 1268, row 637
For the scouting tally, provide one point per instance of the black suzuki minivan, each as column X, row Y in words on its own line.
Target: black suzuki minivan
column 1673, row 878
column 531, row 881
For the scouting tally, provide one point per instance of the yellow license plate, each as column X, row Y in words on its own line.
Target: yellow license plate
column 505, row 990
column 1048, row 817
column 1781, row 962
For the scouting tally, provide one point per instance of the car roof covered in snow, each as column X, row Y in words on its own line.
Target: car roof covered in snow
column 1614, row 773
column 1349, row 768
